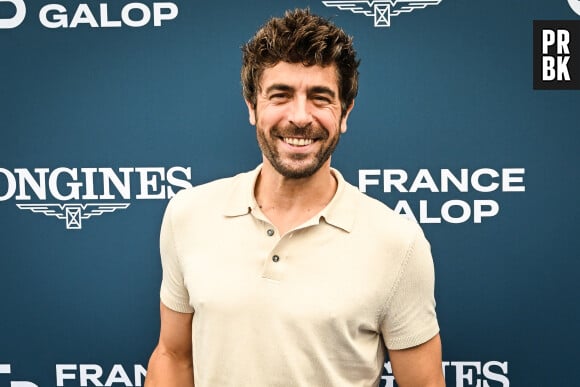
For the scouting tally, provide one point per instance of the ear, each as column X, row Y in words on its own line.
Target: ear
column 251, row 112
column 344, row 118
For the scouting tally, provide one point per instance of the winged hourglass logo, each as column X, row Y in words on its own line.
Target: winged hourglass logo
column 380, row 10
column 74, row 214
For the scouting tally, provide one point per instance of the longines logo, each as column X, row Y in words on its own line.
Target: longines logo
column 73, row 213
column 381, row 10
column 78, row 194
column 101, row 16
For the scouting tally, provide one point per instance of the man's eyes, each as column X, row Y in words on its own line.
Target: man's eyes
column 279, row 96
column 321, row 99
column 315, row 98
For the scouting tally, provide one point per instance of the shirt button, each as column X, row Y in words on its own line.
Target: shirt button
column 270, row 232
column 275, row 258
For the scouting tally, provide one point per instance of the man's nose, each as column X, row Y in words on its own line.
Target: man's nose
column 300, row 114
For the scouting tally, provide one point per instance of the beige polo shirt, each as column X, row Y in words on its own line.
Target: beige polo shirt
column 313, row 307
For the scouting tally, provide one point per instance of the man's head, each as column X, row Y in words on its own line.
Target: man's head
column 300, row 37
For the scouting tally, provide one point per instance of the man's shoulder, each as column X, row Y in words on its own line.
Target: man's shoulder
column 214, row 187
column 377, row 217
column 210, row 194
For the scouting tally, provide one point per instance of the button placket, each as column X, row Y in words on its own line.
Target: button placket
column 275, row 263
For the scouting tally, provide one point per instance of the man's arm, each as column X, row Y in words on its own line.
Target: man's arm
column 418, row 366
column 171, row 364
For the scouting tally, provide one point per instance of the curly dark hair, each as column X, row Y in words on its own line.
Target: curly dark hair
column 300, row 37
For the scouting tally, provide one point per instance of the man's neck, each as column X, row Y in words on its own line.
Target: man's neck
column 290, row 202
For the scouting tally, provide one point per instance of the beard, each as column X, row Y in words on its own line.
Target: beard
column 297, row 165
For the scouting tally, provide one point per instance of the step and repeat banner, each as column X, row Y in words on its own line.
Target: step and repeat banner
column 466, row 121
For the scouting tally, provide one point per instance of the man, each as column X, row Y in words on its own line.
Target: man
column 287, row 275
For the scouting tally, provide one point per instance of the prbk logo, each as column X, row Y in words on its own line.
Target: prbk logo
column 74, row 195
column 380, row 10
column 557, row 53
column 93, row 16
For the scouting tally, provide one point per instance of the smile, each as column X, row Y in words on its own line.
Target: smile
column 297, row 141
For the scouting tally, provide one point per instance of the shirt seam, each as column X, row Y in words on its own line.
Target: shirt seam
column 181, row 306
column 394, row 289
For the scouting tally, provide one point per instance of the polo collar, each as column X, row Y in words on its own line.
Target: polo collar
column 339, row 212
column 242, row 200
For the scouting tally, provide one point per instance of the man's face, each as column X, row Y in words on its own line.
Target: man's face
column 298, row 117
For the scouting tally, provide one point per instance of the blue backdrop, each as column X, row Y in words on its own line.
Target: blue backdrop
column 100, row 125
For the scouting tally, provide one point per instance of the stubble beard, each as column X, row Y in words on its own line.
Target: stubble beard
column 297, row 165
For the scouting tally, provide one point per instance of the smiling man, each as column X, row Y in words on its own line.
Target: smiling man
column 287, row 275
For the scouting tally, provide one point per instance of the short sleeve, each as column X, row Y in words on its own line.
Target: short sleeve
column 409, row 318
column 173, row 292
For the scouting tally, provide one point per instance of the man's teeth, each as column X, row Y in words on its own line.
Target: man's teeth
column 298, row 141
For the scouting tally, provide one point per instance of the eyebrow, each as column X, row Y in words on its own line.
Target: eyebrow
column 312, row 90
column 322, row 90
column 278, row 87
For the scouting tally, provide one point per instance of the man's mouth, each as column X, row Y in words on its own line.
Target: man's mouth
column 297, row 141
